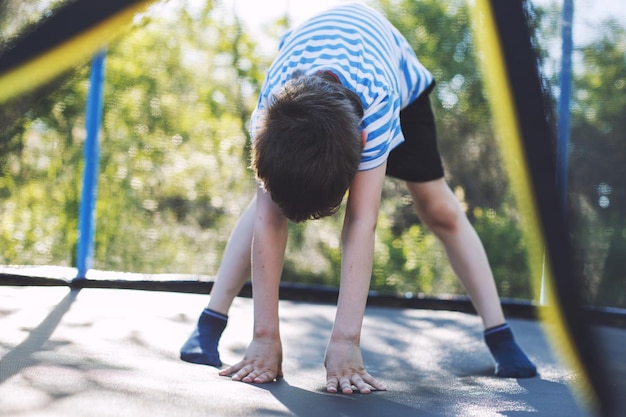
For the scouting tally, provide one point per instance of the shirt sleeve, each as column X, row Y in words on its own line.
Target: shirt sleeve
column 381, row 122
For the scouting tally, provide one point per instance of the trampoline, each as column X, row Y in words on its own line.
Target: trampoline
column 92, row 352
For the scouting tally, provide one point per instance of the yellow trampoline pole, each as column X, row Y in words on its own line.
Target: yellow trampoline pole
column 508, row 131
column 45, row 66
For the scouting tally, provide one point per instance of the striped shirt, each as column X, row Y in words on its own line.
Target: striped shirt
column 369, row 56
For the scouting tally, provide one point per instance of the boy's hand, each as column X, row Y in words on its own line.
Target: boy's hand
column 344, row 368
column 262, row 362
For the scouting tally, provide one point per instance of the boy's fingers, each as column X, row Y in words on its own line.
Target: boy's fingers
column 331, row 385
column 238, row 372
column 363, row 383
column 266, row 376
column 230, row 370
column 246, row 374
column 367, row 378
column 346, row 385
column 360, row 385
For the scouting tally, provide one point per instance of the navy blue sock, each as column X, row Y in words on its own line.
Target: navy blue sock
column 201, row 347
column 511, row 361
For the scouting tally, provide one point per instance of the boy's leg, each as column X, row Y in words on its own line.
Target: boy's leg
column 235, row 266
column 441, row 212
column 234, row 271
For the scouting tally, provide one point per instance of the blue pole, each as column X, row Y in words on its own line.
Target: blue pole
column 565, row 87
column 87, row 209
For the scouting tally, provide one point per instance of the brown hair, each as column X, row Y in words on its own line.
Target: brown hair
column 308, row 148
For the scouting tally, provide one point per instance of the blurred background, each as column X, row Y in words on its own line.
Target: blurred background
column 174, row 169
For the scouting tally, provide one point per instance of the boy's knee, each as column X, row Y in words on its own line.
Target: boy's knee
column 442, row 216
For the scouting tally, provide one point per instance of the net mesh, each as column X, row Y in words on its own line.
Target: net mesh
column 180, row 86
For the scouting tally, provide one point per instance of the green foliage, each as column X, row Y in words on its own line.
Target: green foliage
column 176, row 167
column 173, row 173
column 173, row 178
column 597, row 150
column 439, row 32
column 598, row 174
column 38, row 182
column 503, row 242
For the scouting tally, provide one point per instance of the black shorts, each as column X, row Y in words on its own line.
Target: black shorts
column 417, row 159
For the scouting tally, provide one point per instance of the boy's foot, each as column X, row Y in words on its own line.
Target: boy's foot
column 201, row 347
column 511, row 361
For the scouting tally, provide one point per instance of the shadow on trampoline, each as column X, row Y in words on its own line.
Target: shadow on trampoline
column 20, row 356
column 548, row 389
column 306, row 403
column 98, row 352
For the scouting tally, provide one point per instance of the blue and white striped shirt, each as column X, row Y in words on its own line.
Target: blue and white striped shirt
column 369, row 56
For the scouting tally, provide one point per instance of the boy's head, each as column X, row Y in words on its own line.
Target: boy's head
column 309, row 146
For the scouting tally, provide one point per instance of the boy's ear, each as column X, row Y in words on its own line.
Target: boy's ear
column 363, row 138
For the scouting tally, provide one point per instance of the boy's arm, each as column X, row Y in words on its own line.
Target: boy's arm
column 262, row 362
column 344, row 364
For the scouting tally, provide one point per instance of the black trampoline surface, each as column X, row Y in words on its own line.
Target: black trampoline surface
column 110, row 352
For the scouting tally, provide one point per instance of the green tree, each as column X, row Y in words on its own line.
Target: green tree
column 180, row 87
column 175, row 136
column 440, row 34
column 597, row 163
column 173, row 174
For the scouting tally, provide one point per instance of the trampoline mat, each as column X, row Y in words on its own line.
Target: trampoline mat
column 107, row 352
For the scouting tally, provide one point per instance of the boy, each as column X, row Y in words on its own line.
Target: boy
column 345, row 103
